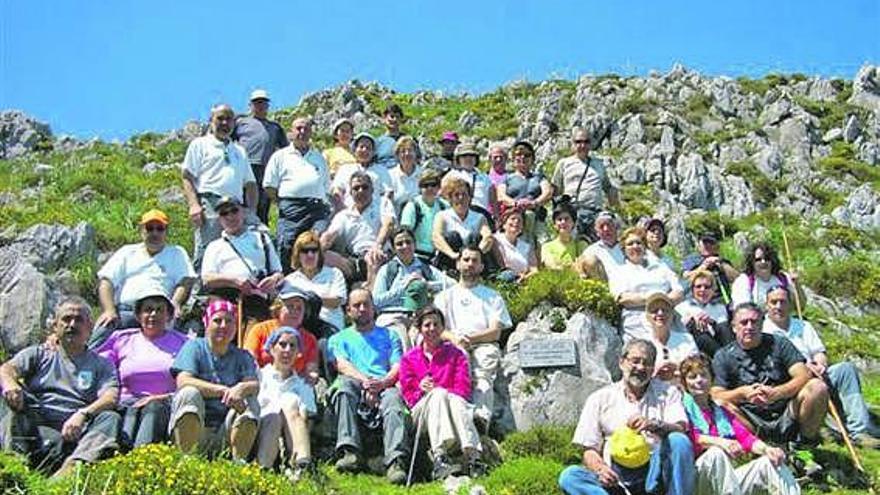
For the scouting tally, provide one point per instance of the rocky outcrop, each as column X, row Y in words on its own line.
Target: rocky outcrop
column 20, row 134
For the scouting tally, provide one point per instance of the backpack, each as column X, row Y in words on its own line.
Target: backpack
column 394, row 269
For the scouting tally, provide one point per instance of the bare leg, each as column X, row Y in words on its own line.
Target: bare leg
column 811, row 406
column 296, row 435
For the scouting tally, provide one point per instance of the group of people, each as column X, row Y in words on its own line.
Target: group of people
column 397, row 244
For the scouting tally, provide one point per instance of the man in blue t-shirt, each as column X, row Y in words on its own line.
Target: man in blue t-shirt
column 368, row 360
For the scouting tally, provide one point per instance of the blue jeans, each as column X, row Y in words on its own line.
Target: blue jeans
column 844, row 377
column 671, row 467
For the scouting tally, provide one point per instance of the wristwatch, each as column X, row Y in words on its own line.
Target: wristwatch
column 86, row 414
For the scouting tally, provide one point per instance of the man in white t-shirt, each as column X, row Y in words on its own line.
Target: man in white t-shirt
column 651, row 408
column 215, row 167
column 136, row 268
column 298, row 179
column 604, row 256
column 363, row 147
column 242, row 263
column 355, row 240
column 475, row 316
column 843, row 377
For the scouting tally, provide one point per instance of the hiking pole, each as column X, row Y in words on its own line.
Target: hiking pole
column 240, row 320
column 412, row 459
column 797, row 297
column 835, row 414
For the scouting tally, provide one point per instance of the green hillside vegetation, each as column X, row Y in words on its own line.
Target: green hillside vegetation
column 104, row 184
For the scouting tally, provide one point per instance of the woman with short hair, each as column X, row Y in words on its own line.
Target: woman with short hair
column 527, row 190
column 515, row 254
column 340, row 154
column 311, row 274
column 405, row 176
column 459, row 226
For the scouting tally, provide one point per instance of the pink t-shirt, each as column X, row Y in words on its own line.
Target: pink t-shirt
column 448, row 368
column 745, row 438
column 143, row 365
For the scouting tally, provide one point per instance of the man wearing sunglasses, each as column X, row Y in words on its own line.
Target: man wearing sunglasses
column 138, row 267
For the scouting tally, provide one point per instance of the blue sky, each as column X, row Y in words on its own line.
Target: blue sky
column 115, row 68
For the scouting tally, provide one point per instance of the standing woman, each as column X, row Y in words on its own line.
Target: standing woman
column 762, row 271
column 286, row 401
column 527, row 190
column 143, row 357
column 340, row 154
column 310, row 274
column 435, row 382
column 405, row 176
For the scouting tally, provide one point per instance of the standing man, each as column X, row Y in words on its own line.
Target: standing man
column 765, row 377
column 368, row 359
column 215, row 167
column 59, row 402
column 708, row 258
column 585, row 181
column 260, row 137
column 297, row 177
column 645, row 413
column 136, row 268
column 443, row 162
column 475, row 316
column 392, row 118
column 843, row 377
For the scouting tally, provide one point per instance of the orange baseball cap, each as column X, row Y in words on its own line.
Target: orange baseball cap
column 155, row 216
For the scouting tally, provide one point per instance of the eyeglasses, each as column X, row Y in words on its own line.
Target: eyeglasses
column 230, row 211
column 309, row 250
column 286, row 344
column 155, row 228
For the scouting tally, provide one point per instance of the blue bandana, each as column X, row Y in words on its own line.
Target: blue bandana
column 695, row 414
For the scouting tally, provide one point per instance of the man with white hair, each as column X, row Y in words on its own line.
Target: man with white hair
column 260, row 137
column 215, row 167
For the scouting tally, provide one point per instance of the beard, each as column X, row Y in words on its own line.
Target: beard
column 638, row 379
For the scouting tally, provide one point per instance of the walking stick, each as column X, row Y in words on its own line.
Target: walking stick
column 240, row 321
column 412, row 460
column 832, row 408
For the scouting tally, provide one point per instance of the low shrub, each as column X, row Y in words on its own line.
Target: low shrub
column 559, row 288
column 524, row 476
column 550, row 442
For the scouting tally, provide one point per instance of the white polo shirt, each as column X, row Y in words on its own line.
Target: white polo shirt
column 357, row 231
column 471, row 223
column 471, row 310
column 217, row 167
column 220, row 257
column 132, row 270
column 295, row 175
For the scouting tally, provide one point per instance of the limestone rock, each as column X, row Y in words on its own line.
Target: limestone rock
column 851, row 129
column 556, row 396
column 694, row 183
column 776, row 112
column 861, row 210
column 50, row 247
column 866, row 88
column 769, row 161
column 21, row 133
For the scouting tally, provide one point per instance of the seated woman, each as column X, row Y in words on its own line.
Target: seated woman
column 459, row 225
column 515, row 255
column 311, row 274
column 672, row 342
column 286, row 401
column 435, row 382
column 418, row 214
column 143, row 357
column 288, row 310
column 215, row 405
column 564, row 250
column 655, row 237
column 632, row 282
column 527, row 190
column 404, row 285
column 719, row 436
column 762, row 271
column 703, row 316
column 405, row 176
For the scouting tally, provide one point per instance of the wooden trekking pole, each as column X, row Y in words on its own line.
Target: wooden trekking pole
column 835, row 414
column 240, row 321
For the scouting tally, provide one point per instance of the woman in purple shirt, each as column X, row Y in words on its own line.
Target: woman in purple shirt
column 143, row 357
column 435, row 383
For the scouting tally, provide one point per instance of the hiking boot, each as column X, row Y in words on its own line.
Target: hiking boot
column 442, row 468
column 304, row 467
column 866, row 441
column 349, row 462
column 476, row 468
column 804, row 462
column 395, row 474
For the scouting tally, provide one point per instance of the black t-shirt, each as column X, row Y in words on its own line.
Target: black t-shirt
column 768, row 363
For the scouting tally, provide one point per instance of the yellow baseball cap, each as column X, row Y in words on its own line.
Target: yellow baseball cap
column 155, row 216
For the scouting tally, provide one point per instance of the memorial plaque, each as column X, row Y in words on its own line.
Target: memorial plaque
column 547, row 353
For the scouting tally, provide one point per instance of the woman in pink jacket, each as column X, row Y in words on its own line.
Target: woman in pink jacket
column 435, row 383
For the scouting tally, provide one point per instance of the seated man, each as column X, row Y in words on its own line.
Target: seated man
column 765, row 378
column 355, row 240
column 645, row 413
column 136, row 267
column 241, row 263
column 708, row 258
column 843, row 377
column 59, row 402
column 475, row 316
column 604, row 256
column 704, row 316
column 215, row 405
column 367, row 358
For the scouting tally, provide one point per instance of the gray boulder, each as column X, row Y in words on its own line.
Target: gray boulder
column 695, row 185
column 852, row 129
column 51, row 247
column 556, row 395
column 21, row 133
column 866, row 88
column 775, row 112
column 862, row 209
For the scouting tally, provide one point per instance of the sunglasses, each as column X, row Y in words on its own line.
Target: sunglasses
column 309, row 249
column 431, row 184
column 581, row 141
column 758, row 260
column 230, row 211
column 155, row 228
column 703, row 286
